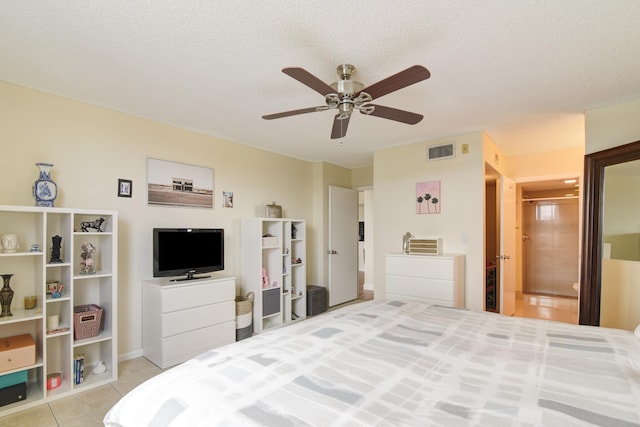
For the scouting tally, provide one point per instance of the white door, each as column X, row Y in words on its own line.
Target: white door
column 507, row 262
column 342, row 251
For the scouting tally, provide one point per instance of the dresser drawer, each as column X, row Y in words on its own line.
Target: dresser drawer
column 177, row 322
column 178, row 348
column 189, row 296
column 432, row 289
column 420, row 266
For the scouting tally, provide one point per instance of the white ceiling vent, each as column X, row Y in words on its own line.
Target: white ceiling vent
column 445, row 151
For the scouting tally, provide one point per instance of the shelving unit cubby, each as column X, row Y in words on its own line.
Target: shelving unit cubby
column 33, row 271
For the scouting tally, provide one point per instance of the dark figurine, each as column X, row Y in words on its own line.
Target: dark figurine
column 96, row 225
column 6, row 295
column 55, row 249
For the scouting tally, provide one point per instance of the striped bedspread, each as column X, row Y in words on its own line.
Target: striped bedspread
column 390, row 363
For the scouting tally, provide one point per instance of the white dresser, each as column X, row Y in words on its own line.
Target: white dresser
column 434, row 279
column 186, row 318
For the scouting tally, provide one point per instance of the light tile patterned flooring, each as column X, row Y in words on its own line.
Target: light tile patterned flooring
column 86, row 409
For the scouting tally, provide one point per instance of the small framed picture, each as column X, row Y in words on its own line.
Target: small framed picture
column 125, row 187
column 227, row 197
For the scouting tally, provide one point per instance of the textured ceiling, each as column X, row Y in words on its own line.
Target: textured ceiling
column 524, row 71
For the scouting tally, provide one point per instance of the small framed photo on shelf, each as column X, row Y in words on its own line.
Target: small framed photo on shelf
column 125, row 187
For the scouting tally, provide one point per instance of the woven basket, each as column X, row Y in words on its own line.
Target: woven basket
column 86, row 321
column 244, row 305
column 244, row 316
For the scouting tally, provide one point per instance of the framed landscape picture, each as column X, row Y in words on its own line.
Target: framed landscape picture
column 179, row 184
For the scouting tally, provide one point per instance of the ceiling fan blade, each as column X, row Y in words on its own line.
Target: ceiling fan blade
column 308, row 79
column 294, row 112
column 399, row 80
column 394, row 114
column 339, row 127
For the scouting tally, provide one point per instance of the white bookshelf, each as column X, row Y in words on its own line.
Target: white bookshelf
column 56, row 352
column 279, row 246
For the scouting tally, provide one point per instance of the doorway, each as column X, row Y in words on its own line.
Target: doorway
column 342, row 250
column 365, row 244
column 548, row 200
column 500, row 242
column 550, row 238
column 549, row 246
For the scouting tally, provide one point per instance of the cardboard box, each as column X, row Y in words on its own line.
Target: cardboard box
column 17, row 352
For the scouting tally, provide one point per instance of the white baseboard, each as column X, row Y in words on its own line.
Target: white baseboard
column 129, row 356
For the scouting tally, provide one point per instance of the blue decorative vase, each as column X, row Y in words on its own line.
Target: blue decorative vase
column 45, row 190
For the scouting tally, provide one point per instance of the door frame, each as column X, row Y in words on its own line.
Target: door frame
column 494, row 229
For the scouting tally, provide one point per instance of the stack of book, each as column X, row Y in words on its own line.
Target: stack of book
column 78, row 369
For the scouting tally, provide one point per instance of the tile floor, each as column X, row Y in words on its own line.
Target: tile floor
column 560, row 309
column 85, row 409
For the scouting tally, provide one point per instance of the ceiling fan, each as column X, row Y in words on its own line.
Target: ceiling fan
column 345, row 95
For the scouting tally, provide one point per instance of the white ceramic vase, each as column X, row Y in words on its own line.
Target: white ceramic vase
column 9, row 242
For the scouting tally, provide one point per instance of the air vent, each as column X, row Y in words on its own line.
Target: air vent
column 425, row 246
column 438, row 152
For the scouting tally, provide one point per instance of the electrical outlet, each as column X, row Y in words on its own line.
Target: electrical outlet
column 465, row 148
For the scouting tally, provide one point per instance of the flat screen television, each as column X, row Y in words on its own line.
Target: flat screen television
column 187, row 252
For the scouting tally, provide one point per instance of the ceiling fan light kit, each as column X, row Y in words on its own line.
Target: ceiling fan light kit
column 347, row 95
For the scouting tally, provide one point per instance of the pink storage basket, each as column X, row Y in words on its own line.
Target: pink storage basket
column 86, row 321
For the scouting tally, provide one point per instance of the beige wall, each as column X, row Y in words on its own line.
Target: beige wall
column 493, row 156
column 461, row 221
column 91, row 147
column 612, row 126
column 547, row 165
column 362, row 177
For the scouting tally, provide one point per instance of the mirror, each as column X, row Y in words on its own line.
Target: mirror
column 598, row 237
column 621, row 212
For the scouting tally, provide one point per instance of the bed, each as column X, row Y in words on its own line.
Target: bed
column 388, row 363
